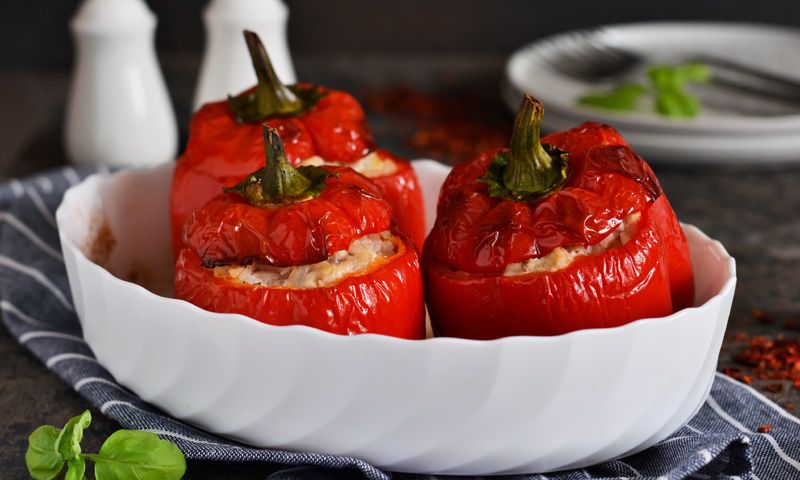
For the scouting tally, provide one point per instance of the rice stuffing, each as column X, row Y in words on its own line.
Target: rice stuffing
column 371, row 165
column 561, row 257
column 361, row 254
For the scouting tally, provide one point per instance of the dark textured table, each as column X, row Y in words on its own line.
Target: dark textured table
column 752, row 211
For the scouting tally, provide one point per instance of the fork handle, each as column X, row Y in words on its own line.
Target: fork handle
column 732, row 73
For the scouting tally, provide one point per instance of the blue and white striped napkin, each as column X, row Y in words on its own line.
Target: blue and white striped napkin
column 721, row 441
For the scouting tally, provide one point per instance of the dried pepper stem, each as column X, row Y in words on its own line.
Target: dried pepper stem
column 270, row 97
column 531, row 169
column 279, row 182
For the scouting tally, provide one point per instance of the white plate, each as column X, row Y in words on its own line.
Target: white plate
column 716, row 135
column 444, row 405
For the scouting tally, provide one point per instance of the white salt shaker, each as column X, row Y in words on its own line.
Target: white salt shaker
column 227, row 68
column 118, row 109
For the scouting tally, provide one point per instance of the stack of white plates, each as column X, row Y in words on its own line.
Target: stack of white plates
column 732, row 128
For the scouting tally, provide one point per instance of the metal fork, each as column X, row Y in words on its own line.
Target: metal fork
column 585, row 56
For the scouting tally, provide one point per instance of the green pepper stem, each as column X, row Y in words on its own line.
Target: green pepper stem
column 279, row 182
column 270, row 97
column 271, row 94
column 531, row 169
column 280, row 178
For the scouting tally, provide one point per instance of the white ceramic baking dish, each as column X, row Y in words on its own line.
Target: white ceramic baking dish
column 443, row 405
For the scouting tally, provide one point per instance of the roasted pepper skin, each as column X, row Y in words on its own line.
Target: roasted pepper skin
column 282, row 216
column 404, row 193
column 222, row 150
column 386, row 300
column 476, row 236
column 230, row 230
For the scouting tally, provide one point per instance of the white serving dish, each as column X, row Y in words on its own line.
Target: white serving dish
column 443, row 405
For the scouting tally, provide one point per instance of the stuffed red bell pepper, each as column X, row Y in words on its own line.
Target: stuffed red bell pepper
column 566, row 232
column 308, row 246
column 317, row 125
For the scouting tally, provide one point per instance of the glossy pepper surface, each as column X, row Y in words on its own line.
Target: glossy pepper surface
column 571, row 189
column 225, row 144
column 284, row 217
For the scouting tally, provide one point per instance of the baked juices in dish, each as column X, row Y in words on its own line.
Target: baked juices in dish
column 310, row 246
column 556, row 234
column 318, row 127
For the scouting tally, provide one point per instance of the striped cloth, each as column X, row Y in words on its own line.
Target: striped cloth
column 721, row 441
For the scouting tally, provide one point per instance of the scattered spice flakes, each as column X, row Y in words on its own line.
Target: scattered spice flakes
column 762, row 316
column 766, row 428
column 789, row 406
column 741, row 337
column 452, row 127
column 736, row 373
column 457, row 141
column 774, row 387
column 767, row 358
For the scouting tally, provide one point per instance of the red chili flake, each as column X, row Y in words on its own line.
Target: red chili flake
column 789, row 406
column 774, row 387
column 762, row 316
column 766, row 428
column 766, row 358
column 453, row 127
column 741, row 337
column 790, row 324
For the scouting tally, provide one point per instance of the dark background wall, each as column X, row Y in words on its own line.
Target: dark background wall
column 34, row 33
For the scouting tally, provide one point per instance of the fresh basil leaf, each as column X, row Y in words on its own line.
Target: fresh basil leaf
column 69, row 440
column 42, row 458
column 665, row 77
column 141, row 455
column 677, row 104
column 695, row 72
column 76, row 468
column 624, row 97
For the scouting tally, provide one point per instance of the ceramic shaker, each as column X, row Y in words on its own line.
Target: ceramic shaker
column 118, row 109
column 226, row 67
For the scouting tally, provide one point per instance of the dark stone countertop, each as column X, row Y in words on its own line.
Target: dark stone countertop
column 752, row 211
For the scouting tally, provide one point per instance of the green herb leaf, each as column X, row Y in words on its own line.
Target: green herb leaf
column 42, row 457
column 76, row 468
column 678, row 104
column 69, row 440
column 624, row 97
column 667, row 87
column 668, row 77
column 141, row 455
column 665, row 77
column 695, row 72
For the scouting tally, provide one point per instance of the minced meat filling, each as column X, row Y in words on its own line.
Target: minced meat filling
column 362, row 253
column 561, row 257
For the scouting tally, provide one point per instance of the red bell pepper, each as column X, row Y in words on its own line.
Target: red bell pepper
column 281, row 216
column 558, row 195
column 225, row 144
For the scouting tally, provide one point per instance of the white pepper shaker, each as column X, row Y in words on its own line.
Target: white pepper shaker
column 227, row 68
column 118, row 110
